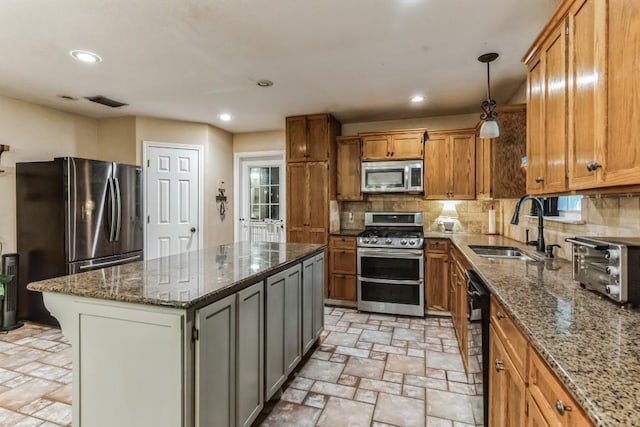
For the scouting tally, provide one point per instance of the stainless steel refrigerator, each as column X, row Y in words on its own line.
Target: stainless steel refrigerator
column 74, row 215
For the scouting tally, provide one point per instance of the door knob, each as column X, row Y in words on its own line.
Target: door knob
column 193, row 229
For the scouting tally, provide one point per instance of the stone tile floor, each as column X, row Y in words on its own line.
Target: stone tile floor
column 369, row 370
column 35, row 377
column 380, row 370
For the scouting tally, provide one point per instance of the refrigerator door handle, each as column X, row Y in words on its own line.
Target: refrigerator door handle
column 118, row 225
column 109, row 263
column 112, row 198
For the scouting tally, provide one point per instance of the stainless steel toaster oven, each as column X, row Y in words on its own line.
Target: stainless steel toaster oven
column 608, row 265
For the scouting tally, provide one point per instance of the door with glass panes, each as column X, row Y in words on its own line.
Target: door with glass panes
column 262, row 205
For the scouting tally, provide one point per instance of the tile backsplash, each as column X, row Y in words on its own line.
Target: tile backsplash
column 606, row 216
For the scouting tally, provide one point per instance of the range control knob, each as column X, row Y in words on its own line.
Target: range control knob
column 613, row 290
column 365, row 240
column 403, row 241
column 612, row 270
column 388, row 241
column 374, row 240
column 612, row 254
column 412, row 242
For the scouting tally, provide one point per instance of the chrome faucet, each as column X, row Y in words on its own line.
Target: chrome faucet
column 539, row 244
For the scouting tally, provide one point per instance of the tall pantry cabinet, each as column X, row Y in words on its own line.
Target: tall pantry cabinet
column 311, row 176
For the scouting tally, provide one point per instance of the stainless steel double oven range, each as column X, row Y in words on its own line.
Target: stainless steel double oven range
column 391, row 263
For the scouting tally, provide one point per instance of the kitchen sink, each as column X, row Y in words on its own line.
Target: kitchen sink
column 506, row 252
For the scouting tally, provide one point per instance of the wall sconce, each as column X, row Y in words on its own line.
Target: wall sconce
column 3, row 148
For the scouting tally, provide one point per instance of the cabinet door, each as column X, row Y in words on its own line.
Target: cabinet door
column 318, row 295
column 535, row 417
column 308, row 268
column 349, row 169
column 316, row 197
column 587, row 97
column 282, row 327
column 437, row 283
column 250, row 356
column 483, row 168
column 216, row 364
column 343, row 287
column 555, row 104
column 318, row 138
column 437, row 168
column 535, row 128
column 463, row 166
column 296, row 139
column 376, row 147
column 621, row 165
column 297, row 213
column 407, row 146
column 506, row 387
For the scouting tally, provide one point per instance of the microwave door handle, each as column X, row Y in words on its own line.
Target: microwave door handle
column 588, row 245
column 407, row 175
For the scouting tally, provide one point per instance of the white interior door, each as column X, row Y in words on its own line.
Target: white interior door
column 173, row 200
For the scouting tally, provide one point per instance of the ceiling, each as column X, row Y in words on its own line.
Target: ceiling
column 194, row 59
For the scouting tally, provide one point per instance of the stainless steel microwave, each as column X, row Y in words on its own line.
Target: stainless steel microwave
column 396, row 176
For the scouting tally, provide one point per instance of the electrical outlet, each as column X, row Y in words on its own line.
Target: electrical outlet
column 221, row 184
column 350, row 217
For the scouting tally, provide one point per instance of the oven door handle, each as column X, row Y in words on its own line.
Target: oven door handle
column 588, row 245
column 391, row 282
column 386, row 253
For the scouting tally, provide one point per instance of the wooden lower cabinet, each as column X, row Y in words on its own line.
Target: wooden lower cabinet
column 459, row 303
column 436, row 275
column 342, row 269
column 554, row 404
column 535, row 417
column 507, row 400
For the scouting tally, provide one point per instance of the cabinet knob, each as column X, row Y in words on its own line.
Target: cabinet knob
column 539, row 179
column 500, row 366
column 593, row 165
column 561, row 407
column 499, row 315
column 392, row 154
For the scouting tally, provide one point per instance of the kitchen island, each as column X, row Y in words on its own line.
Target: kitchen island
column 197, row 339
column 590, row 343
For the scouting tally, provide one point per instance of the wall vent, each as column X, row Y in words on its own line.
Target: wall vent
column 105, row 101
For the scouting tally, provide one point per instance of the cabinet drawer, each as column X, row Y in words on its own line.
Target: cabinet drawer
column 514, row 341
column 342, row 261
column 342, row 242
column 554, row 402
column 343, row 287
column 437, row 245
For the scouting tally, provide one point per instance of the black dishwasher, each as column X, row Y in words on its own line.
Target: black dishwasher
column 478, row 331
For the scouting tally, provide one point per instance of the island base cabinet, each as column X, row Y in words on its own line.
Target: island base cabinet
column 283, row 336
column 229, row 354
column 312, row 301
column 111, row 342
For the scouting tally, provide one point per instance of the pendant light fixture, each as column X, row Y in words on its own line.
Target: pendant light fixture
column 489, row 128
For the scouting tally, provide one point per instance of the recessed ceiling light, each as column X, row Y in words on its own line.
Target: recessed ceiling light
column 417, row 98
column 264, row 83
column 85, row 56
column 225, row 117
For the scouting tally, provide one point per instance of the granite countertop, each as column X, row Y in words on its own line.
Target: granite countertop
column 192, row 279
column 591, row 343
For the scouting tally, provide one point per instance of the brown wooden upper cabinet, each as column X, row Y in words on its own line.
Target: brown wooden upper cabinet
column 498, row 173
column 449, row 165
column 309, row 137
column 400, row 145
column 348, row 167
column 582, row 97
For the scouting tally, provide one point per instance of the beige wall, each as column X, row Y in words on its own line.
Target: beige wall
column 116, row 140
column 36, row 133
column 520, row 96
column 218, row 164
column 259, row 141
column 459, row 121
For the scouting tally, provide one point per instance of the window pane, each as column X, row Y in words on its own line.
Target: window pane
column 264, row 176
column 275, row 176
column 275, row 195
column 254, row 176
column 255, row 212
column 264, row 194
column 275, row 212
column 264, row 211
column 569, row 203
